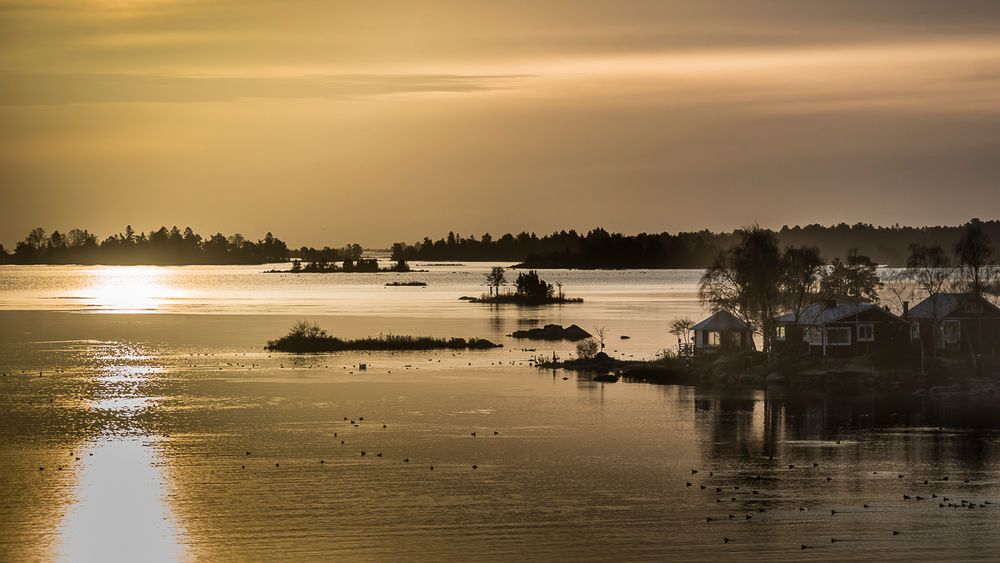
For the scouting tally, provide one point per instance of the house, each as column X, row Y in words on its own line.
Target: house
column 722, row 332
column 957, row 322
column 830, row 328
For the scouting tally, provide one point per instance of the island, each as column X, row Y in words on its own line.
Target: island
column 349, row 265
column 529, row 290
column 307, row 337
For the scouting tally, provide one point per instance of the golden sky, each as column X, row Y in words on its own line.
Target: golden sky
column 330, row 122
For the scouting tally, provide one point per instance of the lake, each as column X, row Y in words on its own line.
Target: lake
column 141, row 419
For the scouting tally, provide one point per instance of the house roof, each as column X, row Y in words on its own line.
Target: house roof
column 723, row 320
column 942, row 304
column 819, row 314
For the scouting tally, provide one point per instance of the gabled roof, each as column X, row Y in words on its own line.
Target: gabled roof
column 943, row 304
column 819, row 314
column 723, row 320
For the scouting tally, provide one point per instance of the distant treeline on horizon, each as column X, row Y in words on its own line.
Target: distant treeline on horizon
column 162, row 247
column 563, row 249
column 600, row 249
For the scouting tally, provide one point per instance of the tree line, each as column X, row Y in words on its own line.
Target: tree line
column 163, row 247
column 599, row 248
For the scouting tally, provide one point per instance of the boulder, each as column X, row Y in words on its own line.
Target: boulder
column 553, row 332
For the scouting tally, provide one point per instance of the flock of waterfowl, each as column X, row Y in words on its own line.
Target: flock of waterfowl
column 756, row 505
column 355, row 423
column 754, row 495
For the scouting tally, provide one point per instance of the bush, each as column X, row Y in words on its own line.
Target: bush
column 530, row 285
column 306, row 329
column 587, row 349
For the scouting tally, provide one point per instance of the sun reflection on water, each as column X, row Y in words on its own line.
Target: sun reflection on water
column 121, row 510
column 130, row 289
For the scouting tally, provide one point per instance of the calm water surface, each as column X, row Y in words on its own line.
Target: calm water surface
column 166, row 433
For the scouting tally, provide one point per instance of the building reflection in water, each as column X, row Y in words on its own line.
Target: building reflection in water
column 758, row 425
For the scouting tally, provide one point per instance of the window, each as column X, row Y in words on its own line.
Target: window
column 866, row 333
column 915, row 331
column 713, row 339
column 974, row 307
column 951, row 330
column 838, row 336
column 780, row 333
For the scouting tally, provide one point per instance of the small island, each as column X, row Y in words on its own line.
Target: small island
column 306, row 337
column 406, row 284
column 529, row 290
column 552, row 332
column 349, row 265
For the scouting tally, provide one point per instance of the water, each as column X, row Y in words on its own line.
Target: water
column 142, row 390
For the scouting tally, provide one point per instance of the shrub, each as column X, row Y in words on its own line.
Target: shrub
column 587, row 349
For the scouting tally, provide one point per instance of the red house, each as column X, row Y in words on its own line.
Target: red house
column 837, row 329
column 957, row 322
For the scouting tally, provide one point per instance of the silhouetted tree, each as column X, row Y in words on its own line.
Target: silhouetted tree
column 586, row 348
column 495, row 278
column 681, row 328
column 801, row 269
column 979, row 274
column 745, row 281
column 855, row 279
column 530, row 285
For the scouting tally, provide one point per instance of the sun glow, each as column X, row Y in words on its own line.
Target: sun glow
column 130, row 289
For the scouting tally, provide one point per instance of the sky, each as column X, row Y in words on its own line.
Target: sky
column 375, row 122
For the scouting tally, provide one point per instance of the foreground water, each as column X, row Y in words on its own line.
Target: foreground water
column 162, row 431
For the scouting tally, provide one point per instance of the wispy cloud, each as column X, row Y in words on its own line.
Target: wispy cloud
column 22, row 89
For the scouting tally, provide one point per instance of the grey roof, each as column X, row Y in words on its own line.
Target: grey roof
column 818, row 314
column 943, row 304
column 723, row 320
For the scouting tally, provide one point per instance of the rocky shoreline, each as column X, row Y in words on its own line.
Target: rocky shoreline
column 944, row 383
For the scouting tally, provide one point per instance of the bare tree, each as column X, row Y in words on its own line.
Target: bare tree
column 899, row 288
column 931, row 271
column 602, row 333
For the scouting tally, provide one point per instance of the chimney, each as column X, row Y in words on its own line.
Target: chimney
column 831, row 303
column 906, row 309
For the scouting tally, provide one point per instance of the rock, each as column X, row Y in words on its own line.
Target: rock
column 553, row 332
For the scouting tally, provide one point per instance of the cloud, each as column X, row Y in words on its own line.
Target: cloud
column 90, row 88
